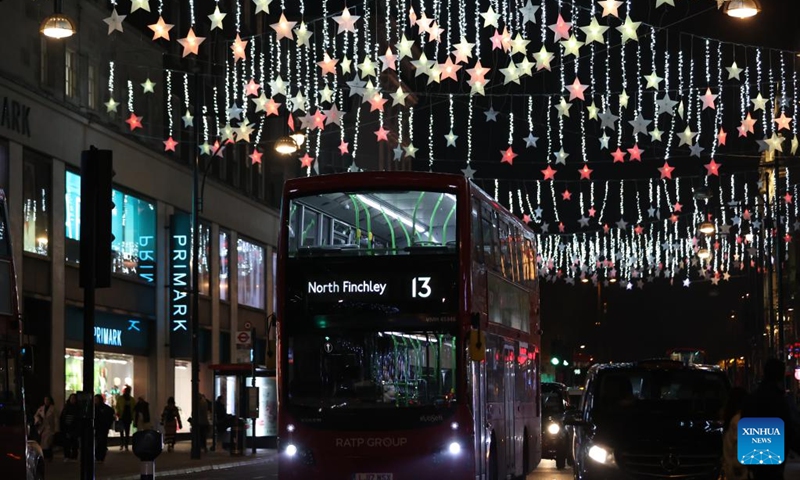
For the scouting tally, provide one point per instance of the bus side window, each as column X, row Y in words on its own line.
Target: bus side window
column 477, row 232
column 488, row 239
column 519, row 250
column 505, row 250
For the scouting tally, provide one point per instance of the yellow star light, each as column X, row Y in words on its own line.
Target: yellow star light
column 303, row 35
column 283, row 29
column 628, row 30
column 216, row 18
column 161, row 29
column 262, row 5
column 137, row 4
column 572, row 46
column 147, row 86
column 594, row 32
column 543, row 58
column 191, row 43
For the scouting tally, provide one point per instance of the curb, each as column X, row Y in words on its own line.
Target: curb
column 200, row 469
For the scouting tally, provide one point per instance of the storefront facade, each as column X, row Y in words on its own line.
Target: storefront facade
column 135, row 336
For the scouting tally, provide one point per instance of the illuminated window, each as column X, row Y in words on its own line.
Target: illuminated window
column 204, row 270
column 36, row 192
column 223, row 264
column 70, row 74
column 251, row 273
column 92, row 87
column 133, row 224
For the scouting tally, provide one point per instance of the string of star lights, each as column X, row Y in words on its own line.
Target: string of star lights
column 318, row 102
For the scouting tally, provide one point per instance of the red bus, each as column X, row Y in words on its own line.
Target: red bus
column 408, row 331
column 19, row 458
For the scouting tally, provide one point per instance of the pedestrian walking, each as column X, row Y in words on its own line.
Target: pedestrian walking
column 124, row 410
column 141, row 415
column 71, row 428
column 45, row 423
column 731, row 413
column 103, row 421
column 171, row 420
column 202, row 421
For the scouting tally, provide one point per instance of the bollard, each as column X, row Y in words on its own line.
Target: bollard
column 147, row 446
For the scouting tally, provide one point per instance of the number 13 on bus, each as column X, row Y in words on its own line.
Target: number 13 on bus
column 408, row 331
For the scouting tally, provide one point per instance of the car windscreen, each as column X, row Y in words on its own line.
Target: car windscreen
column 552, row 401
column 684, row 392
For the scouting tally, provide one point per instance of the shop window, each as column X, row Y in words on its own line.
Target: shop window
column 223, row 264
column 36, row 192
column 133, row 224
column 251, row 274
column 204, row 264
column 183, row 392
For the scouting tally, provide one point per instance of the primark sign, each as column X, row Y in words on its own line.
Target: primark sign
column 130, row 334
column 179, row 285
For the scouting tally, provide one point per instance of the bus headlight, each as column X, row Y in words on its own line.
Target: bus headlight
column 290, row 427
column 553, row 428
column 291, row 450
column 454, row 425
column 454, row 448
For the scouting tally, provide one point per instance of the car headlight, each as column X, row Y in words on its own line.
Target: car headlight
column 553, row 428
column 601, row 455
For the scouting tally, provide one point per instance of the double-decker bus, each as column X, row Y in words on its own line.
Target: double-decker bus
column 19, row 458
column 408, row 331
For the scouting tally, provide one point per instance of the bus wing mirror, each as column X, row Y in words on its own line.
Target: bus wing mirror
column 477, row 346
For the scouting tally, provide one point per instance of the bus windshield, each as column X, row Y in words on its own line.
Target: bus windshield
column 372, row 222
column 371, row 369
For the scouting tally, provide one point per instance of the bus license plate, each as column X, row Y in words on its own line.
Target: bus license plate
column 373, row 476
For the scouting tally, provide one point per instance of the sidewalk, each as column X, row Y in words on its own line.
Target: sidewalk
column 124, row 465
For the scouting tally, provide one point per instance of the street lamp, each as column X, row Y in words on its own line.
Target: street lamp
column 57, row 25
column 742, row 8
column 286, row 145
column 706, row 228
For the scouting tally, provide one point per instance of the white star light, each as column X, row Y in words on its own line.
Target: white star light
column 114, row 22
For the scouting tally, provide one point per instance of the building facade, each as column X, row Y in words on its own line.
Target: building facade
column 53, row 96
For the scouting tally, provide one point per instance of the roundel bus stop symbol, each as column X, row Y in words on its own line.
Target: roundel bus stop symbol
column 243, row 337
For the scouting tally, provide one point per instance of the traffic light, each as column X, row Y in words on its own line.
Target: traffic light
column 96, row 207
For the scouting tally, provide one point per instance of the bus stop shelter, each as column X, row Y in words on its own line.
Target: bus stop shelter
column 251, row 406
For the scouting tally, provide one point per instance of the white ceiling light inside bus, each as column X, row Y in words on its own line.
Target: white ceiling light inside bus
column 291, row 450
column 454, row 448
column 391, row 213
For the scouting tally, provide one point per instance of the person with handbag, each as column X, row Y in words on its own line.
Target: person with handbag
column 44, row 421
column 124, row 410
column 171, row 420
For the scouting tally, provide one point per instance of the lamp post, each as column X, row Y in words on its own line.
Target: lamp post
column 195, row 305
